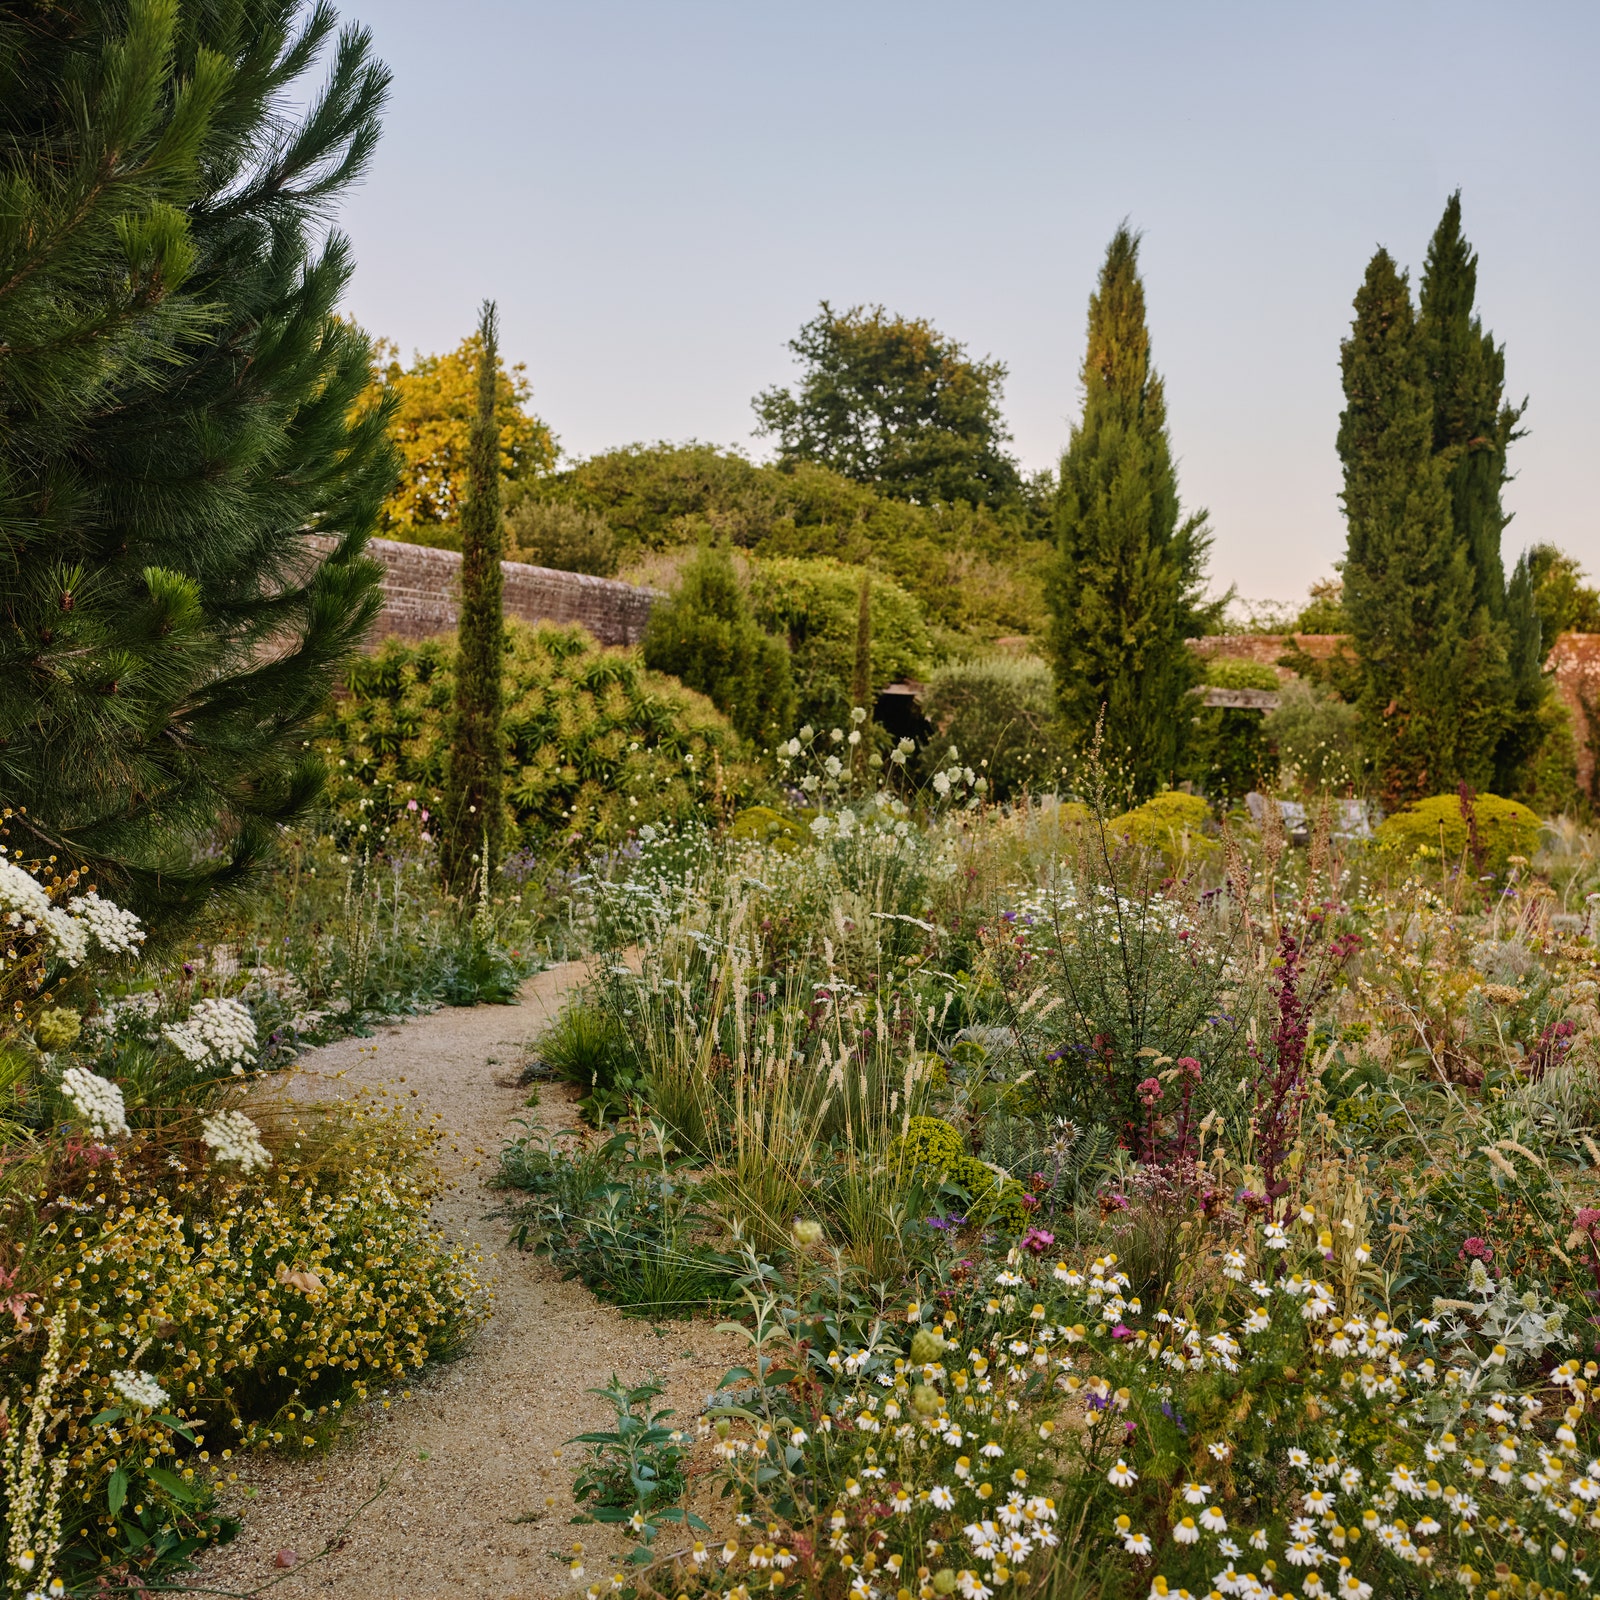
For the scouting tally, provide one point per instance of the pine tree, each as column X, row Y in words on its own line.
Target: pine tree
column 1126, row 593
column 1473, row 429
column 474, row 811
column 1408, row 581
column 707, row 637
column 178, row 421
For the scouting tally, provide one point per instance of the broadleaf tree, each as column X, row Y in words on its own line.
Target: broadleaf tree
column 891, row 401
column 179, row 423
column 1128, row 588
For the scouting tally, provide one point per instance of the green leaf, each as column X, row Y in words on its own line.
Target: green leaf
column 117, row 1490
column 173, row 1484
column 109, row 1415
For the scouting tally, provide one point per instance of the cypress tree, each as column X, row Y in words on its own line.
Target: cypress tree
column 1409, row 587
column 474, row 805
column 1126, row 591
column 861, row 679
column 1473, row 429
column 178, row 420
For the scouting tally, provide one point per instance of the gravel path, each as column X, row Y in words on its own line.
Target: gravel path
column 476, row 1504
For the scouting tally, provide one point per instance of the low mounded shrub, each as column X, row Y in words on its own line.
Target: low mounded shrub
column 1169, row 823
column 931, row 1145
column 595, row 744
column 1505, row 829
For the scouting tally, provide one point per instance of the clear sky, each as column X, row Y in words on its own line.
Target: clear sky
column 658, row 194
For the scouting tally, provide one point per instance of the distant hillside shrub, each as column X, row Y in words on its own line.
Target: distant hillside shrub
column 999, row 711
column 595, row 744
column 1505, row 829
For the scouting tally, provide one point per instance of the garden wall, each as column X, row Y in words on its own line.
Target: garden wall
column 1574, row 663
column 422, row 589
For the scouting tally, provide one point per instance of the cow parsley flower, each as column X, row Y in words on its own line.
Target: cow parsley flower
column 139, row 1389
column 236, row 1139
column 97, row 1100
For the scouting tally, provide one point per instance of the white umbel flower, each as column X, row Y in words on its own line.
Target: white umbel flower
column 97, row 1100
column 139, row 1389
column 236, row 1139
column 116, row 931
column 221, row 1030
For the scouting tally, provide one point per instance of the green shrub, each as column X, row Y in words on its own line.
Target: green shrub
column 706, row 637
column 1316, row 735
column 595, row 744
column 1169, row 823
column 1228, row 672
column 1505, row 829
column 770, row 827
column 555, row 533
column 815, row 605
column 999, row 711
column 1229, row 752
column 931, row 1145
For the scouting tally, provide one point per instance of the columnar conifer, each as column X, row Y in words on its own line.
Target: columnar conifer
column 1126, row 594
column 474, row 819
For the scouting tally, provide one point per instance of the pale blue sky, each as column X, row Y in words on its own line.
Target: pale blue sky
column 659, row 194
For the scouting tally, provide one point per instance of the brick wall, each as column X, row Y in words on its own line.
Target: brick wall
column 422, row 593
column 1574, row 663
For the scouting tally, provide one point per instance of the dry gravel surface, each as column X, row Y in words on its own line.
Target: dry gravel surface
column 474, row 1501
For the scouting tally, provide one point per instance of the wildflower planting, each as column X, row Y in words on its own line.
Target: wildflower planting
column 1110, row 1208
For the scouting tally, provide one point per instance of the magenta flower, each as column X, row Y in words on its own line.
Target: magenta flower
column 1038, row 1240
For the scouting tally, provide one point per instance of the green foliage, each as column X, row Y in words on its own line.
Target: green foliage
column 706, row 636
column 1126, row 592
column 1324, row 610
column 1317, row 736
column 593, row 745
column 892, row 402
column 636, row 1467
column 1228, row 672
column 999, row 711
column 1565, row 603
column 1171, row 824
column 560, row 535
column 1505, row 828
column 815, row 605
column 767, row 826
column 472, row 812
column 1229, row 753
column 977, row 573
column 178, row 418
column 1550, row 776
column 932, row 1146
column 589, row 1048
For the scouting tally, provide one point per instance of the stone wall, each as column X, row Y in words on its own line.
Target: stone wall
column 422, row 592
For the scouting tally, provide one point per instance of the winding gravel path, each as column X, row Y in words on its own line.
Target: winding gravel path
column 476, row 1504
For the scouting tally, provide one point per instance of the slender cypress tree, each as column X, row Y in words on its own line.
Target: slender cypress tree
column 1126, row 592
column 1408, row 581
column 1473, row 429
column 474, row 806
column 178, row 419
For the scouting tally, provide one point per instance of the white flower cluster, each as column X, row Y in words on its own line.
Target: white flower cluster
column 132, row 1014
column 220, row 1029
column 116, row 931
column 98, row 1101
column 139, row 1389
column 236, row 1139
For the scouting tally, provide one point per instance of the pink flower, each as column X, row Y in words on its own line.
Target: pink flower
column 1189, row 1065
column 1037, row 1240
column 1587, row 1218
column 1150, row 1091
column 411, row 805
column 1122, row 1331
column 1480, row 1251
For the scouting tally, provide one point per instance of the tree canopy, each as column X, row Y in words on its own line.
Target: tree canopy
column 435, row 403
column 891, row 401
column 179, row 419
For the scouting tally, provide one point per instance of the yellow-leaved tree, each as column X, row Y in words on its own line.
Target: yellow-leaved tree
column 438, row 399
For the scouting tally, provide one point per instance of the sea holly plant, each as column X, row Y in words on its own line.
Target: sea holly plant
column 635, row 1470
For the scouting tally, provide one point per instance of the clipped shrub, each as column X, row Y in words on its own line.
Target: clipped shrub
column 594, row 744
column 1506, row 828
column 815, row 605
column 706, row 637
column 1316, row 735
column 558, row 534
column 999, row 711
column 1170, row 824
column 931, row 1145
